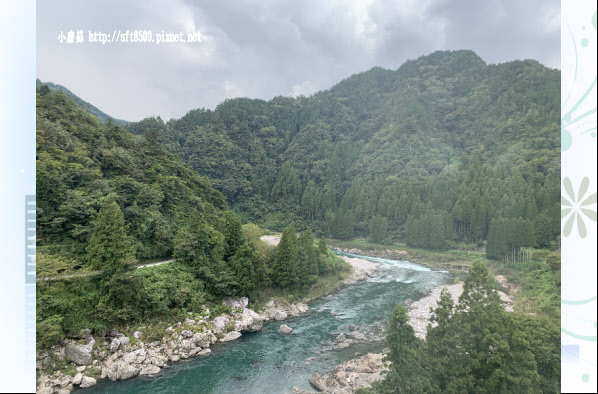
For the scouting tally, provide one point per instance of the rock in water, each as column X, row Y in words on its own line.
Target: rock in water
column 78, row 377
column 149, row 370
column 284, row 329
column 250, row 321
column 280, row 315
column 121, row 370
column 86, row 381
column 231, row 336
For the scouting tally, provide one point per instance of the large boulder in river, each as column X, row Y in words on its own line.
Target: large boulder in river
column 280, row 315
column 236, row 303
column 284, row 329
column 87, row 381
column 250, row 321
column 231, row 336
column 149, row 370
column 79, row 354
column 121, row 370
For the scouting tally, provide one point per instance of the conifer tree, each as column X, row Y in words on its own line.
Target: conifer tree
column 406, row 374
column 284, row 269
column 110, row 247
column 378, row 229
column 308, row 269
column 231, row 229
column 242, row 265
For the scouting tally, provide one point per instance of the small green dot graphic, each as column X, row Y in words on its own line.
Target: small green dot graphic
column 585, row 377
column 584, row 42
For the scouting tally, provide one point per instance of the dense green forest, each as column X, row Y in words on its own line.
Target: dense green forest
column 432, row 153
column 473, row 347
column 107, row 199
column 444, row 150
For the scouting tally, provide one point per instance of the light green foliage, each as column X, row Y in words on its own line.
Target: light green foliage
column 48, row 331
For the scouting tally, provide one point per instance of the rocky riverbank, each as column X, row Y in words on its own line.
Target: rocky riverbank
column 349, row 376
column 363, row 371
column 120, row 356
column 419, row 311
column 362, row 269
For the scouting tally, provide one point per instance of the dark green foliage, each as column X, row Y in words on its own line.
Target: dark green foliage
column 80, row 162
column 285, row 270
column 406, row 374
column 507, row 236
column 198, row 241
column 308, row 258
column 123, row 298
column 446, row 140
column 322, row 248
column 242, row 264
column 378, row 229
column 109, row 247
column 233, row 236
column 475, row 347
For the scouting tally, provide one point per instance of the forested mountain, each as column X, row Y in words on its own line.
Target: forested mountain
column 107, row 198
column 101, row 116
column 432, row 153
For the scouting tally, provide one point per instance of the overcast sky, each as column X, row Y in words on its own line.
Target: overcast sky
column 266, row 48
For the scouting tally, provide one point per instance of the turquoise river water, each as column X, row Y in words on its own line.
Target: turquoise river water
column 261, row 362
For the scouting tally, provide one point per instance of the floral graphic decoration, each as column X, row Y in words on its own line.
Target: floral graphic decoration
column 577, row 208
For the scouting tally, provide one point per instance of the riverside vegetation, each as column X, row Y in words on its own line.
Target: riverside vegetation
column 445, row 154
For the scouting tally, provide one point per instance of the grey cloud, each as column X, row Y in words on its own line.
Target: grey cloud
column 262, row 49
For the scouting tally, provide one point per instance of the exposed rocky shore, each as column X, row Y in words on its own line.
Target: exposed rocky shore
column 363, row 371
column 117, row 356
column 362, row 269
column 420, row 311
column 349, row 376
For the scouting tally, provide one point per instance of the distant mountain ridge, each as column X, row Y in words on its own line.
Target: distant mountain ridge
column 87, row 107
column 445, row 135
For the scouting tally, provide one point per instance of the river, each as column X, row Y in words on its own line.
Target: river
column 261, row 362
